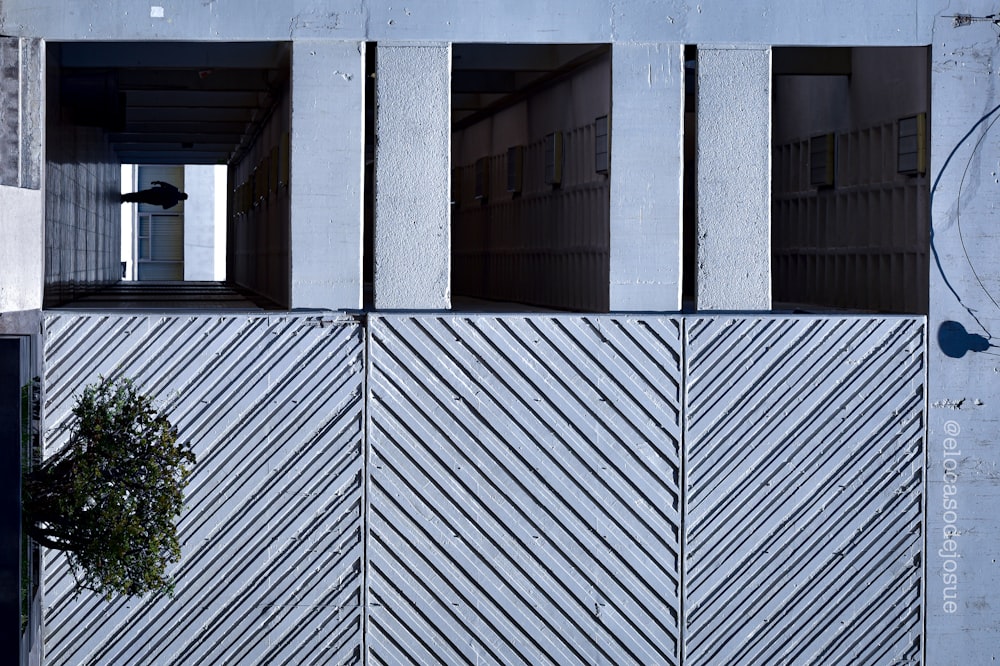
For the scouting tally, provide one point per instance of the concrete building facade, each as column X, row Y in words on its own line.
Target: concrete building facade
column 765, row 403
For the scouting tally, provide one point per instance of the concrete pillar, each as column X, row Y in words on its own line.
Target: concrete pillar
column 326, row 184
column 647, row 160
column 734, row 178
column 963, row 459
column 413, row 177
column 22, row 221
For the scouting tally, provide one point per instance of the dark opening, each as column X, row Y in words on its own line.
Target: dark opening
column 180, row 103
column 850, row 186
column 531, row 145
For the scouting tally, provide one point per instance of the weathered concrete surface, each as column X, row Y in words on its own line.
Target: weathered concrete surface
column 963, row 467
column 326, row 182
column 22, row 249
column 412, row 177
column 646, row 176
column 889, row 22
column 734, row 178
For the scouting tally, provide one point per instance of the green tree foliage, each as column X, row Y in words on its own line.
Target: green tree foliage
column 111, row 497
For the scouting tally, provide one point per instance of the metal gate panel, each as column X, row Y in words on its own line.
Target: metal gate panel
column 523, row 504
column 804, row 447
column 272, row 536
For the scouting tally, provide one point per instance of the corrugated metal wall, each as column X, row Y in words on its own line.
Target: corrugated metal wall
column 804, row 450
column 272, row 534
column 524, row 505
column 532, row 489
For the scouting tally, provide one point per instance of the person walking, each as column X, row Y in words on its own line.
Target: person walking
column 163, row 194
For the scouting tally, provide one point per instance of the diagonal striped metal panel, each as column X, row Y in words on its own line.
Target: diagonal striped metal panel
column 523, row 500
column 804, row 450
column 272, row 532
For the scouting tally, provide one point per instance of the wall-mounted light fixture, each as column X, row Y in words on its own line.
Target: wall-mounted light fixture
column 911, row 146
column 515, row 169
column 553, row 159
column 602, row 145
column 822, row 160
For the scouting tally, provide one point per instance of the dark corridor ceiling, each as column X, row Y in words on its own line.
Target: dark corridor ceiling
column 172, row 102
column 202, row 102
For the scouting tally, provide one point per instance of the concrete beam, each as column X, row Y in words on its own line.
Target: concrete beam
column 327, row 174
column 412, row 177
column 734, row 178
column 647, row 161
column 788, row 22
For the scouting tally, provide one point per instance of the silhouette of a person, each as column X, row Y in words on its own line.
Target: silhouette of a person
column 164, row 194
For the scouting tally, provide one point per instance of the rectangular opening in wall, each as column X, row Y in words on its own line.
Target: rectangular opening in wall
column 368, row 204
column 530, row 189
column 204, row 118
column 689, row 261
column 850, row 202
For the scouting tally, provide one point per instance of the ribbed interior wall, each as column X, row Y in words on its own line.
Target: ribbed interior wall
column 259, row 211
column 520, row 489
column 82, row 207
column 861, row 244
column 272, row 533
column 544, row 246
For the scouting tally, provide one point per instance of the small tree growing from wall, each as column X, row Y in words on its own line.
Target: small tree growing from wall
column 111, row 497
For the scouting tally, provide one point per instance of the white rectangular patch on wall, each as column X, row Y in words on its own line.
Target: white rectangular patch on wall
column 822, row 160
column 911, row 148
column 602, row 145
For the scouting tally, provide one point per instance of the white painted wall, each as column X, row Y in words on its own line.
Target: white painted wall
column 199, row 222
column 22, row 250
column 128, row 222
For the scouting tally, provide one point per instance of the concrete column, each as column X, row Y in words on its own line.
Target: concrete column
column 647, row 160
column 412, row 177
column 326, row 184
column 22, row 221
column 963, row 459
column 734, row 178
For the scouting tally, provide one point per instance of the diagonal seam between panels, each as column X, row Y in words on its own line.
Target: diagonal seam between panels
column 683, row 490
